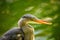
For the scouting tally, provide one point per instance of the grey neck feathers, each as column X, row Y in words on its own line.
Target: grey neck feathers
column 22, row 22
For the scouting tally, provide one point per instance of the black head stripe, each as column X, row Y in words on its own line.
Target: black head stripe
column 28, row 16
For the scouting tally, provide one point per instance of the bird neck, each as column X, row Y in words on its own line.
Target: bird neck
column 22, row 22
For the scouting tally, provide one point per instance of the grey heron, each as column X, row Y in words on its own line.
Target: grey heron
column 25, row 31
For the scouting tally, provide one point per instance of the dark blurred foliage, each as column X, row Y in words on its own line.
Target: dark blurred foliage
column 12, row 10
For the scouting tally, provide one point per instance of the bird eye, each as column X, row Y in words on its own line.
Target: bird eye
column 24, row 17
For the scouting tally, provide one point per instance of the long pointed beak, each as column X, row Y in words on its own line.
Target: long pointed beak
column 42, row 22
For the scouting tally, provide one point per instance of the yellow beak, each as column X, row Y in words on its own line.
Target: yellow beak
column 40, row 22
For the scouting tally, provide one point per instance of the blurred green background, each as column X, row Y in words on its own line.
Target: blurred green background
column 12, row 10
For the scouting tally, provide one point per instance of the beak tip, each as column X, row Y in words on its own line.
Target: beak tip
column 43, row 22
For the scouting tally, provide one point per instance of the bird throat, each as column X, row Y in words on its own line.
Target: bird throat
column 27, row 29
column 22, row 22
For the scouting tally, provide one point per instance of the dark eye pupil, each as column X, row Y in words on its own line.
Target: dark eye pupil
column 24, row 17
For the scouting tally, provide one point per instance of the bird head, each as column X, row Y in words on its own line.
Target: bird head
column 29, row 18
